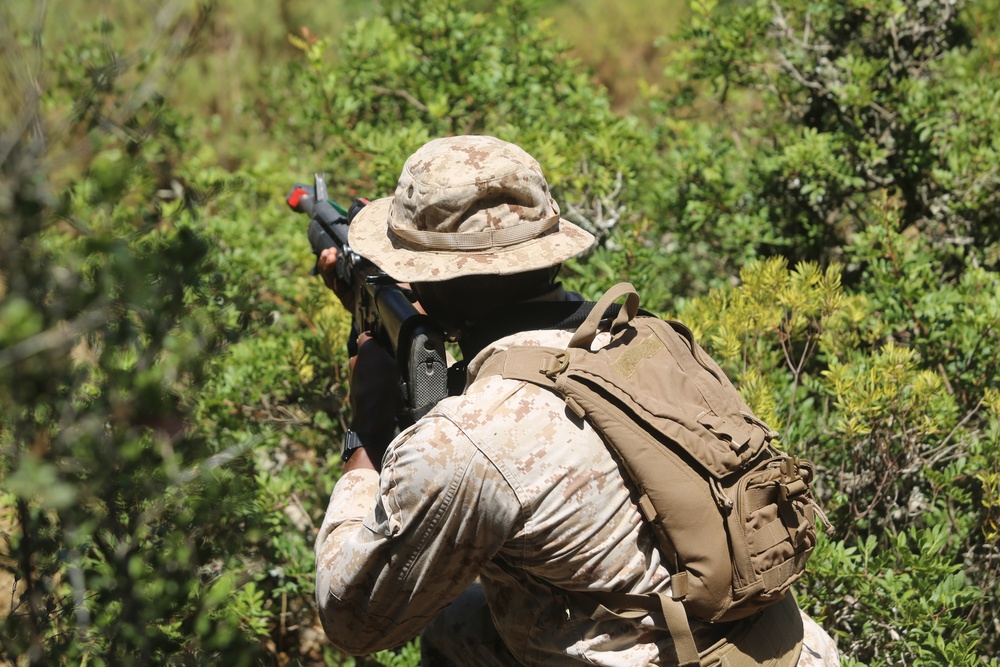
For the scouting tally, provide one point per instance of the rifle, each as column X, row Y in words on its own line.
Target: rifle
column 381, row 306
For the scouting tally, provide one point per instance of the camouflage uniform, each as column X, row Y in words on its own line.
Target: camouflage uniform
column 503, row 484
column 499, row 484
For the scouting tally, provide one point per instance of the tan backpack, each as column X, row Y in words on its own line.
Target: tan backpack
column 734, row 516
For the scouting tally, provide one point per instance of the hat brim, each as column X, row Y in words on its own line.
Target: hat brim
column 369, row 236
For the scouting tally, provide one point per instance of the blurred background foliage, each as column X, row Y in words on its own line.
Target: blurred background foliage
column 812, row 186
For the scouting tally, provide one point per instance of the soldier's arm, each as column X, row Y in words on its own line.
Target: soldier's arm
column 396, row 548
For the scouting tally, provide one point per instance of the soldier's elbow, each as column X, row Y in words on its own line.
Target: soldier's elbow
column 349, row 629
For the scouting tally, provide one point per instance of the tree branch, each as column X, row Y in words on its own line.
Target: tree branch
column 57, row 337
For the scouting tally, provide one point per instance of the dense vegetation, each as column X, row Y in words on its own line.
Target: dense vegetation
column 813, row 186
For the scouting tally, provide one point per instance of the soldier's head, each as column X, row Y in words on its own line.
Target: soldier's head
column 472, row 219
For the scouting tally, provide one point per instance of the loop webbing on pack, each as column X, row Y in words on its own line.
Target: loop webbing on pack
column 584, row 336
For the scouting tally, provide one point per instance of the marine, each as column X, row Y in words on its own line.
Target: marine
column 486, row 524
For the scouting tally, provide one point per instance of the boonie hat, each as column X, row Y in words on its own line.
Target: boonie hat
column 468, row 205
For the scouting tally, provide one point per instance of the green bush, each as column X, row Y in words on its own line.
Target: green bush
column 122, row 520
column 788, row 121
column 911, row 559
column 856, row 133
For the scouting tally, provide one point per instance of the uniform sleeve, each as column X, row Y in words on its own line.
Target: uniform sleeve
column 396, row 548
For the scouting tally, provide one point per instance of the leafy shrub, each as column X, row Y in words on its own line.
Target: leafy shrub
column 912, row 558
column 122, row 516
column 850, row 134
column 790, row 120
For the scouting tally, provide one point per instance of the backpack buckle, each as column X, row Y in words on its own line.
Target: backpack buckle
column 791, row 484
column 555, row 364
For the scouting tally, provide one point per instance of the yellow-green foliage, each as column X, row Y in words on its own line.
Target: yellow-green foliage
column 759, row 391
column 990, row 478
column 766, row 330
column 774, row 309
column 888, row 391
column 896, row 454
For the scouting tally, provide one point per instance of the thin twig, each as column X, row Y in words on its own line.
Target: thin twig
column 796, row 376
column 943, row 447
column 54, row 338
column 379, row 90
column 298, row 503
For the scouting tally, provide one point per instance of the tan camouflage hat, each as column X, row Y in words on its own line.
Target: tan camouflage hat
column 469, row 205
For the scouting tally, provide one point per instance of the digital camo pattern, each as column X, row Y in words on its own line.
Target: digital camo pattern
column 475, row 191
column 503, row 484
column 818, row 648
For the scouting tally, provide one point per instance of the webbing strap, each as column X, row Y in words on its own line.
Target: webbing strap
column 758, row 498
column 629, row 606
column 680, row 631
column 770, row 535
column 680, row 585
column 775, row 577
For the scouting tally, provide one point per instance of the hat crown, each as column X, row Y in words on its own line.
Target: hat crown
column 470, row 184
